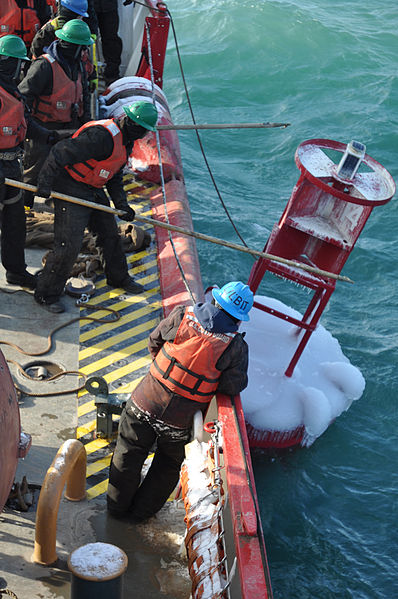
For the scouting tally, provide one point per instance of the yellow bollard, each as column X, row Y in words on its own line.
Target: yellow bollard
column 69, row 465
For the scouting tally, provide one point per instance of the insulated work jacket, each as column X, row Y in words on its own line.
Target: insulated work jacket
column 22, row 22
column 98, row 173
column 187, row 366
column 66, row 97
column 12, row 121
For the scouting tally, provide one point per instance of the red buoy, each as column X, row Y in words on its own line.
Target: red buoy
column 338, row 188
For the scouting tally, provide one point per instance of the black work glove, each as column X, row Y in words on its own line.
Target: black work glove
column 127, row 2
column 53, row 138
column 129, row 215
column 43, row 190
column 2, row 177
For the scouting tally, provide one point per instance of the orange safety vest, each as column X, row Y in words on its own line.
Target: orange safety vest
column 98, row 172
column 187, row 366
column 12, row 121
column 23, row 22
column 65, row 95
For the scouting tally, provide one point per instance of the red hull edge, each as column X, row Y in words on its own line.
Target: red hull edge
column 242, row 497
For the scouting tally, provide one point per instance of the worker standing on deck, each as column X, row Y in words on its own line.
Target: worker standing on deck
column 80, row 166
column 111, row 44
column 66, row 11
column 23, row 18
column 56, row 90
column 196, row 351
column 15, row 121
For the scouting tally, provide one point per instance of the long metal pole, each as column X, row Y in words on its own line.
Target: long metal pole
column 157, row 223
column 223, row 126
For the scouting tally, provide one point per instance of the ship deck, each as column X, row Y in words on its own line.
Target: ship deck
column 116, row 351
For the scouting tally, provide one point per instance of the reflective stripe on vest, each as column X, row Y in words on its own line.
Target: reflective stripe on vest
column 66, row 94
column 98, row 172
column 22, row 22
column 12, row 120
column 187, row 366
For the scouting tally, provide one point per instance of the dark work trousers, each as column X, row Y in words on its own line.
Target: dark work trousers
column 70, row 220
column 36, row 153
column 136, row 437
column 12, row 217
column 108, row 23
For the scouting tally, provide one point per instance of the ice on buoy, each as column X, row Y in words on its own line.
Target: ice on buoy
column 323, row 385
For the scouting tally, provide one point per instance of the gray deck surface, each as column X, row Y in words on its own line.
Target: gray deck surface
column 157, row 567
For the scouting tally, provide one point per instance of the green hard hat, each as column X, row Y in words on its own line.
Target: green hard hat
column 75, row 32
column 13, row 46
column 142, row 113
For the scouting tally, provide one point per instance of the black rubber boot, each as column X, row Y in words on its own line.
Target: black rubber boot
column 24, row 279
column 55, row 307
column 129, row 285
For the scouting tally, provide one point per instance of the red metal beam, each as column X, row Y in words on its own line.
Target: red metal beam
column 242, row 497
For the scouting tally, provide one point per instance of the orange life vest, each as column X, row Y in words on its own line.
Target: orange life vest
column 187, row 366
column 66, row 94
column 12, row 121
column 98, row 173
column 23, row 22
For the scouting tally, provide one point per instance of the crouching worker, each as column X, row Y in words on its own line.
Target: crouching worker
column 197, row 351
column 81, row 166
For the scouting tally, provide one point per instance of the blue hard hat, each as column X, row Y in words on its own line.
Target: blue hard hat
column 77, row 6
column 236, row 298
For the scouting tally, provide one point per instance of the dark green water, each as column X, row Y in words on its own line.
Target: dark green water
column 330, row 69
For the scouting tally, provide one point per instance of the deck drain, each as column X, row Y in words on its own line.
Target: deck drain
column 41, row 370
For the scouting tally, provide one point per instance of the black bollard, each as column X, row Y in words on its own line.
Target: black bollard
column 97, row 571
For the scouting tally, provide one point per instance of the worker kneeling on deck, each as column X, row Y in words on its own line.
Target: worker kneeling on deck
column 197, row 351
column 81, row 166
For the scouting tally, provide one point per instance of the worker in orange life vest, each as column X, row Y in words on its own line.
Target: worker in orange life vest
column 23, row 18
column 56, row 90
column 15, row 121
column 197, row 351
column 82, row 166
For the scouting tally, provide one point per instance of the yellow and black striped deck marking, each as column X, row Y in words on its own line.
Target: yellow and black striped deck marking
column 117, row 351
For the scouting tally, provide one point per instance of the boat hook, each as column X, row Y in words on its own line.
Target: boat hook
column 157, row 223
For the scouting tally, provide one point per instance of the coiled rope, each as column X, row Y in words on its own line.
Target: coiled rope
column 8, row 592
column 115, row 316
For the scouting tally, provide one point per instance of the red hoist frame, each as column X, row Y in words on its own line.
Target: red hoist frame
column 158, row 24
column 320, row 226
